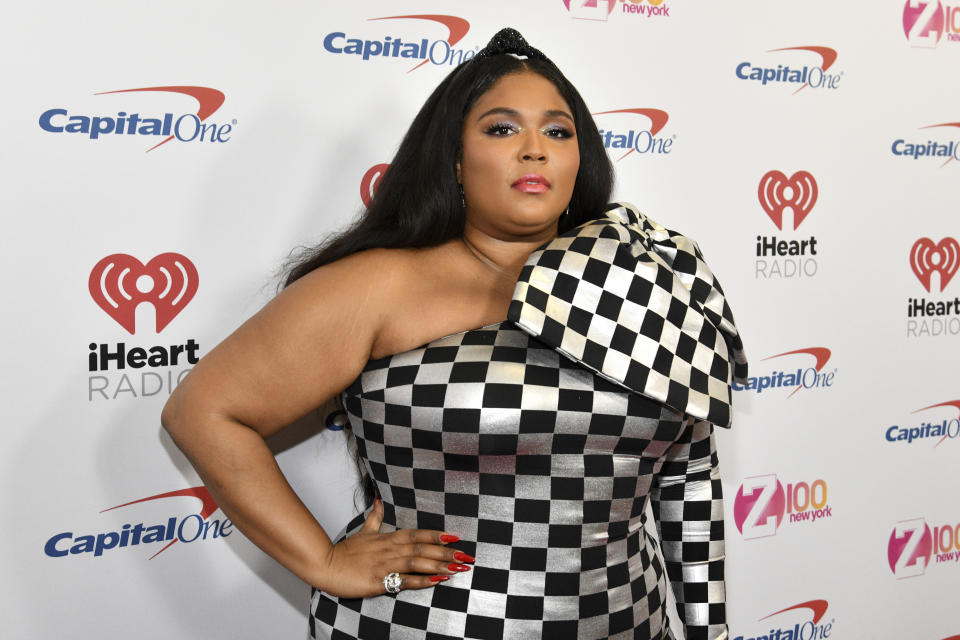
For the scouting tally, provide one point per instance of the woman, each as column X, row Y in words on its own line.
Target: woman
column 511, row 462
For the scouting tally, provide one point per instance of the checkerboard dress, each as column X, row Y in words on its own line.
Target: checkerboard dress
column 540, row 441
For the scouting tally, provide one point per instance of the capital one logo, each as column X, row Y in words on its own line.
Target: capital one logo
column 370, row 182
column 802, row 621
column 119, row 283
column 810, row 378
column 641, row 140
column 909, row 548
column 187, row 529
column 777, row 193
column 927, row 258
column 187, row 127
column 438, row 52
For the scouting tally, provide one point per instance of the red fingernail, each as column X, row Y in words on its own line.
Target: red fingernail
column 439, row 578
column 462, row 557
column 446, row 537
column 458, row 567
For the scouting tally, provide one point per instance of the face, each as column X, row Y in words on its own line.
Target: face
column 520, row 157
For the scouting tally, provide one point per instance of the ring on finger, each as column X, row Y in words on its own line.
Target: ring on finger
column 392, row 582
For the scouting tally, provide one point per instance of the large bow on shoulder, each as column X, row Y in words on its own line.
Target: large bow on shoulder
column 637, row 304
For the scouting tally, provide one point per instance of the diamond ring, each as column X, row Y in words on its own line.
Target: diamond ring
column 392, row 582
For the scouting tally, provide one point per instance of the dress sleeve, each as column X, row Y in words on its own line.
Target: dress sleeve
column 635, row 303
column 688, row 509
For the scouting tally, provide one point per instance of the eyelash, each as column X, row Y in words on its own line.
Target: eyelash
column 502, row 129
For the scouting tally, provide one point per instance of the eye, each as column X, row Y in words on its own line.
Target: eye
column 501, row 129
column 557, row 131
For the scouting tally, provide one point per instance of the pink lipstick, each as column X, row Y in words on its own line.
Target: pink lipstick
column 532, row 183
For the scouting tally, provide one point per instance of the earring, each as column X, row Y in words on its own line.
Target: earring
column 463, row 201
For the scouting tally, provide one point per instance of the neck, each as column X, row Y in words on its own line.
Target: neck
column 504, row 257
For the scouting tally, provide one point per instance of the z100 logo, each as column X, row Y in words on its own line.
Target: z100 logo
column 912, row 544
column 925, row 22
column 798, row 622
column 119, row 283
column 644, row 141
column 762, row 502
column 187, row 127
column 934, row 317
column 778, row 194
column 600, row 9
column 938, row 431
column 438, row 52
column 815, row 77
column 191, row 528
column 801, row 378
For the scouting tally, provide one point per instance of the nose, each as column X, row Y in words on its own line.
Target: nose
column 532, row 147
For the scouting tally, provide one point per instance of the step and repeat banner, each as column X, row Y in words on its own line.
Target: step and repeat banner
column 162, row 161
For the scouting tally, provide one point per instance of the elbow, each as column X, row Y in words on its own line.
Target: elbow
column 174, row 417
column 170, row 418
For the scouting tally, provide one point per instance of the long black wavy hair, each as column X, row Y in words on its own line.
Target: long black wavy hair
column 418, row 202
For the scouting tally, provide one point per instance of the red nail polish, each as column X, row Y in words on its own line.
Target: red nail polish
column 463, row 557
column 458, row 567
column 446, row 537
column 439, row 578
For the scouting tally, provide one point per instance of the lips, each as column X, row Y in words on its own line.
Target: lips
column 532, row 183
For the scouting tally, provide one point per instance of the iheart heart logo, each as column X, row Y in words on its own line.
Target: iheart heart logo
column 774, row 197
column 370, row 182
column 943, row 257
column 120, row 282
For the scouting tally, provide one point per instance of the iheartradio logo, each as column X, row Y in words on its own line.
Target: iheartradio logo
column 927, row 258
column 120, row 282
column 370, row 182
column 777, row 192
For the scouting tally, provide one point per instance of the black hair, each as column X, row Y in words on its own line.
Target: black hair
column 418, row 202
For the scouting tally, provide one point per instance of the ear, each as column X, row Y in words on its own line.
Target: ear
column 459, row 179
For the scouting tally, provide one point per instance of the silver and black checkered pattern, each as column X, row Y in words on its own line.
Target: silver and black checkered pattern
column 544, row 469
column 636, row 303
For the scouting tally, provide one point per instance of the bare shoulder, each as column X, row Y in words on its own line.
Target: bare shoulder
column 363, row 286
column 305, row 346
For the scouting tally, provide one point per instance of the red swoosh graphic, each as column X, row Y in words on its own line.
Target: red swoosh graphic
column 201, row 493
column 209, row 100
column 828, row 55
column 818, row 607
column 949, row 403
column 457, row 27
column 945, row 124
column 822, row 354
column 658, row 120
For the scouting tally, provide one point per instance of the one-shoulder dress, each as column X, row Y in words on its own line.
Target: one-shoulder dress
column 540, row 440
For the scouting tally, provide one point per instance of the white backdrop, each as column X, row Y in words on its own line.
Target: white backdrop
column 842, row 516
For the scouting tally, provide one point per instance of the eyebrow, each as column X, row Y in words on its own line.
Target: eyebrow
column 553, row 113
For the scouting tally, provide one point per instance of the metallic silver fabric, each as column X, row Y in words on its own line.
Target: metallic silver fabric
column 544, row 463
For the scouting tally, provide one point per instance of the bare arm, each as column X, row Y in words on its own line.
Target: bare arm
column 306, row 345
